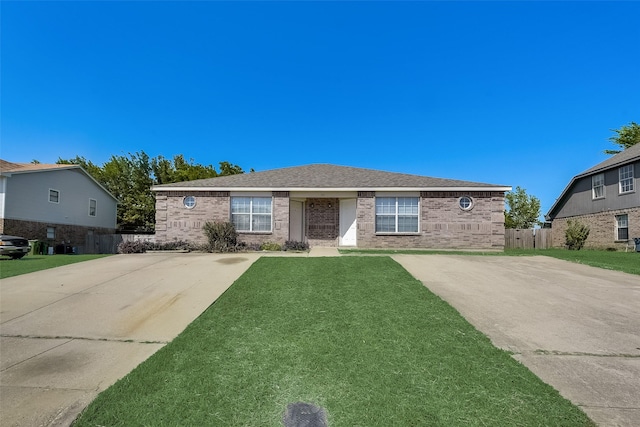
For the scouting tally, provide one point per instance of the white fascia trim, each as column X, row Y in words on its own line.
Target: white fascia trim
column 326, row 190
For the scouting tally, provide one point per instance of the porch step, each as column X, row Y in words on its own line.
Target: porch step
column 320, row 251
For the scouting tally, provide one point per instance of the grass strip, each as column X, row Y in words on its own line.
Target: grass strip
column 358, row 336
column 32, row 263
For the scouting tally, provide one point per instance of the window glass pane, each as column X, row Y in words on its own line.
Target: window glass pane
column 241, row 221
column 92, row 207
column 261, row 222
column 54, row 196
column 240, row 204
column 407, row 224
column 623, row 234
column 385, row 224
column 385, row 205
column 261, row 205
column 407, row 206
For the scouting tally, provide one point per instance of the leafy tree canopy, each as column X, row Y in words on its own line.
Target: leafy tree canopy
column 625, row 137
column 130, row 177
column 523, row 210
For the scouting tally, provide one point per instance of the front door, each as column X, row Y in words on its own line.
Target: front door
column 296, row 221
column 348, row 229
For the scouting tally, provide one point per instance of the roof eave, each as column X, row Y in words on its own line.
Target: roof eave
column 331, row 189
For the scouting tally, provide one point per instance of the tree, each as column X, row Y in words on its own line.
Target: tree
column 625, row 137
column 130, row 177
column 523, row 210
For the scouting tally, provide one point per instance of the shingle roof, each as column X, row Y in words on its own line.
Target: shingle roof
column 629, row 155
column 10, row 167
column 324, row 176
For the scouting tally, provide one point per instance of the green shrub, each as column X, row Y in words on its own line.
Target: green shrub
column 576, row 235
column 221, row 236
column 270, row 246
column 292, row 245
column 132, row 247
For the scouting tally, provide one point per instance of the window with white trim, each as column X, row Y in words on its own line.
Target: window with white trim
column 51, row 232
column 597, row 186
column 54, row 196
column 189, row 202
column 251, row 213
column 397, row 214
column 465, row 203
column 93, row 207
column 622, row 227
column 625, row 174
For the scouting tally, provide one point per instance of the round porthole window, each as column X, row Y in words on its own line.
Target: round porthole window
column 189, row 202
column 465, row 203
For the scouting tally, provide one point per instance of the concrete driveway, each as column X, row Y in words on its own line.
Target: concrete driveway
column 69, row 333
column 576, row 327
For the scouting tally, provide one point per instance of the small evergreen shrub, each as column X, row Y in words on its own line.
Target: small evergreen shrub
column 251, row 246
column 292, row 245
column 221, row 236
column 270, row 246
column 576, row 235
column 132, row 247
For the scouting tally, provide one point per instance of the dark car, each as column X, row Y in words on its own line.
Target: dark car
column 14, row 247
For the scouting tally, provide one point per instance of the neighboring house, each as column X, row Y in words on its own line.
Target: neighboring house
column 327, row 205
column 59, row 204
column 605, row 197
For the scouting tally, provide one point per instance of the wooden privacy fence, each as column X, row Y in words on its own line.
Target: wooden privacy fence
column 108, row 243
column 519, row 238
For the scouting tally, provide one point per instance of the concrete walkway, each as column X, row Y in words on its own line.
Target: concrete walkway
column 70, row 332
column 576, row 327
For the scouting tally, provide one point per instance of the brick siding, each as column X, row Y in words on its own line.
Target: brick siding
column 73, row 235
column 443, row 225
column 176, row 222
column 602, row 228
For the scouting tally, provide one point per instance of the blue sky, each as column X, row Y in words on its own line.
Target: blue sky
column 511, row 93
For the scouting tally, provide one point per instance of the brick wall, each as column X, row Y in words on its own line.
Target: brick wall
column 176, row 222
column 73, row 235
column 443, row 225
column 602, row 233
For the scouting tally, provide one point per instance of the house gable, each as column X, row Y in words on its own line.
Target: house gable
column 604, row 210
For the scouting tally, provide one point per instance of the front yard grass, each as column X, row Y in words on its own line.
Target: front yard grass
column 30, row 263
column 358, row 336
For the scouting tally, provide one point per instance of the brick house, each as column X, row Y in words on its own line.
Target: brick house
column 605, row 197
column 58, row 204
column 327, row 205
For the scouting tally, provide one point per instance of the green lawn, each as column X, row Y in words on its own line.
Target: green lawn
column 628, row 262
column 358, row 336
column 30, row 263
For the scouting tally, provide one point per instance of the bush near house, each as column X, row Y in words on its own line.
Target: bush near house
column 221, row 236
column 576, row 235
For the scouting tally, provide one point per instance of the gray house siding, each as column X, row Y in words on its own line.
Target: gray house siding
column 27, row 199
column 580, row 201
column 26, row 209
column 603, row 215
